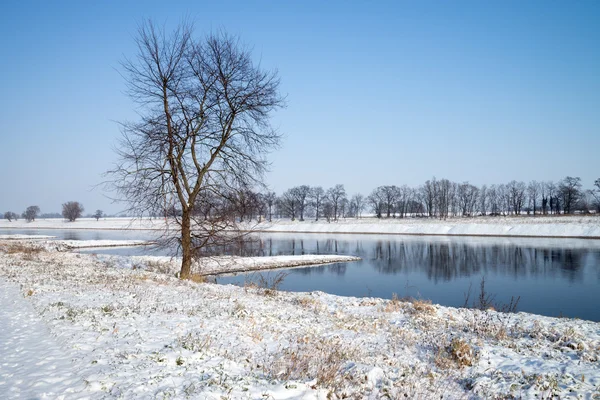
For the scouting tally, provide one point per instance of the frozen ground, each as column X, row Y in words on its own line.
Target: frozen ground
column 539, row 226
column 41, row 242
column 224, row 264
column 108, row 331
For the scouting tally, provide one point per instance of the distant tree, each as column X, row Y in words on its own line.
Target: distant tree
column 301, row 193
column 596, row 194
column 403, row 200
column 483, row 197
column 72, row 210
column 9, row 215
column 31, row 213
column 516, row 192
column 533, row 192
column 288, row 204
column 552, row 196
column 316, row 196
column 377, row 201
column 427, row 195
column 270, row 199
column 98, row 214
column 467, row 198
column 570, row 192
column 336, row 196
column 357, row 203
column 328, row 212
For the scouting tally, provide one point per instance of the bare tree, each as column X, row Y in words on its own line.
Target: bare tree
column 9, row 215
column 336, row 195
column 596, row 194
column 204, row 129
column 358, row 204
column 71, row 210
column 533, row 192
column 427, row 194
column 289, row 204
column 483, row 200
column 98, row 214
column 317, row 195
column 570, row 192
column 31, row 213
column 376, row 199
column 301, row 194
column 270, row 199
column 551, row 192
column 467, row 198
column 516, row 191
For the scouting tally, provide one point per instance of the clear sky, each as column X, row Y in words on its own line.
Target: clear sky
column 378, row 92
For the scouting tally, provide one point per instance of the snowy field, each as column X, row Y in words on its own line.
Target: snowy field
column 539, row 226
column 80, row 326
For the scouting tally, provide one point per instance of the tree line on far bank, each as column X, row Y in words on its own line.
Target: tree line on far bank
column 71, row 210
column 436, row 198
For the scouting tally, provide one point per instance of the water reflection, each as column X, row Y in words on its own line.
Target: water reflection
column 438, row 260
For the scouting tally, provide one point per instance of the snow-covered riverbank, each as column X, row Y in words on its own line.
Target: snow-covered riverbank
column 132, row 333
column 225, row 264
column 528, row 226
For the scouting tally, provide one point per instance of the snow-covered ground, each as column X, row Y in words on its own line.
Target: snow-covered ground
column 225, row 264
column 47, row 243
column 539, row 226
column 21, row 237
column 556, row 226
column 102, row 330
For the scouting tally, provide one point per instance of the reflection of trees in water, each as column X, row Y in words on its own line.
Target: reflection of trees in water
column 337, row 269
column 446, row 261
column 440, row 261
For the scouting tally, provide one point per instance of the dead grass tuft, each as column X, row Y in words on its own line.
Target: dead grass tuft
column 310, row 358
column 458, row 353
column 28, row 250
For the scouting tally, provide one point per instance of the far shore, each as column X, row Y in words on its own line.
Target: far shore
column 546, row 226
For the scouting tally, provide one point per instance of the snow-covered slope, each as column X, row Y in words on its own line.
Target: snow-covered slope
column 131, row 333
column 539, row 226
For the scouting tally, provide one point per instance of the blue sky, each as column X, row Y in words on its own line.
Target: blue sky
column 378, row 92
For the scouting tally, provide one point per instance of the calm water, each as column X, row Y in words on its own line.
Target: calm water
column 552, row 276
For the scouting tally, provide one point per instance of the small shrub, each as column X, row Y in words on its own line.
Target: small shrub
column 462, row 352
column 269, row 284
column 458, row 353
column 393, row 305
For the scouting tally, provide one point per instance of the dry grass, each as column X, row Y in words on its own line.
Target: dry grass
column 310, row 358
column 27, row 249
column 423, row 307
column 458, row 353
column 393, row 305
column 197, row 278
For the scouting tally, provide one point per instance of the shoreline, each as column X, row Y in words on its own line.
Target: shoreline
column 550, row 227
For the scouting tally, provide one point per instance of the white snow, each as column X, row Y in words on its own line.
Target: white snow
column 32, row 363
column 132, row 333
column 558, row 227
column 20, row 237
column 226, row 264
column 540, row 226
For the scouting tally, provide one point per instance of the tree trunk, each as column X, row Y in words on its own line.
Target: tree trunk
column 186, row 246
